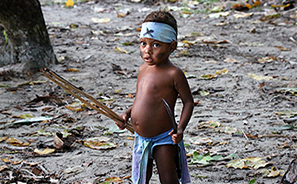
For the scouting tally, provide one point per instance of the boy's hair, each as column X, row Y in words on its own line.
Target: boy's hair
column 162, row 17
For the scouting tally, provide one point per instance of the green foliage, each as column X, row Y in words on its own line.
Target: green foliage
column 6, row 39
column 253, row 181
column 207, row 1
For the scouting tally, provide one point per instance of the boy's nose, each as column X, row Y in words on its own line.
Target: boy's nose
column 148, row 49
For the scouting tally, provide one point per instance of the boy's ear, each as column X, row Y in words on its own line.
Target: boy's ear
column 173, row 46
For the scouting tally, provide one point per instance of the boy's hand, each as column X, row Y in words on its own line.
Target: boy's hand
column 123, row 125
column 178, row 136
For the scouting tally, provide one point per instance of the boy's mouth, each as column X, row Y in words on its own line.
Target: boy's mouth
column 147, row 59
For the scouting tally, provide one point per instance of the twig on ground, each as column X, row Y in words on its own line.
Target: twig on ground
column 245, row 136
column 271, row 135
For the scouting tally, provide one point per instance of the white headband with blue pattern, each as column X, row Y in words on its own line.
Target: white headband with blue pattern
column 158, row 31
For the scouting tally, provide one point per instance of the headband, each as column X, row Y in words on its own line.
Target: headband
column 158, row 31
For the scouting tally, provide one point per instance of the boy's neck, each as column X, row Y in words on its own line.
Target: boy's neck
column 162, row 64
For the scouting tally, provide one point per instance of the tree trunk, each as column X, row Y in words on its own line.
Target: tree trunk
column 27, row 34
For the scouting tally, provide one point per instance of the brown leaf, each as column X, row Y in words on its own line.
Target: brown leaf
column 3, row 167
column 282, row 48
column 290, row 175
column 257, row 3
column 44, row 152
column 47, row 98
column 37, row 171
column 3, row 139
column 58, row 143
column 252, row 136
column 116, row 67
column 215, row 42
column 71, row 70
column 16, row 142
column 13, row 89
column 10, row 161
column 239, row 7
column 129, row 96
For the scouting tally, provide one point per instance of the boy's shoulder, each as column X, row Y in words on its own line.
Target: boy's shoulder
column 142, row 67
column 176, row 70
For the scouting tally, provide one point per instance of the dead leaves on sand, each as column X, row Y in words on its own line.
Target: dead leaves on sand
column 212, row 154
column 100, row 143
column 48, row 104
column 52, row 120
column 18, row 171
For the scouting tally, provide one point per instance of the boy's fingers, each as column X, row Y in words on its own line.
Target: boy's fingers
column 122, row 126
column 171, row 133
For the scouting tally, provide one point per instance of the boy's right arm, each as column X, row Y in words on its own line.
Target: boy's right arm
column 126, row 116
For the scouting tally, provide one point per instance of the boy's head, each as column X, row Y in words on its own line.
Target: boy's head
column 159, row 25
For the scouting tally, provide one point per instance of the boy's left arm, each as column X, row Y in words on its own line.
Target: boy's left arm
column 182, row 86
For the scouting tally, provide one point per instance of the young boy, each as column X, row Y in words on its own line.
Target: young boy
column 159, row 82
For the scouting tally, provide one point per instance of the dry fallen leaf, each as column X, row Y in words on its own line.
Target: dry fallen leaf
column 201, row 140
column 10, row 161
column 241, row 7
column 69, row 3
column 16, row 142
column 113, row 180
column 227, row 130
column 222, row 72
column 242, row 15
column 248, row 163
column 258, row 77
column 104, row 20
column 130, row 138
column 3, row 167
column 99, row 143
column 257, row 3
column 282, row 48
column 31, row 163
column 267, row 59
column 3, row 139
column 231, row 60
column 44, row 152
column 220, row 14
column 209, row 124
column 289, row 176
column 24, row 116
column 214, row 41
column 58, row 142
column 129, row 96
column 71, row 70
column 120, row 50
column 76, row 106
column 208, row 76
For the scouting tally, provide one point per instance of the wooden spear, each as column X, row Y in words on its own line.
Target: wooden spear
column 99, row 107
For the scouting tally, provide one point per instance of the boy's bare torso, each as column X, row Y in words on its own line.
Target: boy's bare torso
column 149, row 116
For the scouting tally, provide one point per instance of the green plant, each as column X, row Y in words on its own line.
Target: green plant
column 5, row 35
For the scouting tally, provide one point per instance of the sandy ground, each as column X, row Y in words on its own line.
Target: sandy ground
column 240, row 67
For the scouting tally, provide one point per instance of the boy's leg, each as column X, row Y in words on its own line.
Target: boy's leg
column 149, row 170
column 165, row 159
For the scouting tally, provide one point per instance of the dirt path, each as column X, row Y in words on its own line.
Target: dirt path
column 240, row 67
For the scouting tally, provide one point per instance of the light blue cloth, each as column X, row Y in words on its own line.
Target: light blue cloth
column 158, row 31
column 142, row 151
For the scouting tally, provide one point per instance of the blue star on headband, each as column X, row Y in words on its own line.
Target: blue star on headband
column 149, row 32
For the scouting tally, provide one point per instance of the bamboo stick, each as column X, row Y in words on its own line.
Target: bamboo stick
column 70, row 88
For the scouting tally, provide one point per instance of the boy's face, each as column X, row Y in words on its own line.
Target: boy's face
column 154, row 52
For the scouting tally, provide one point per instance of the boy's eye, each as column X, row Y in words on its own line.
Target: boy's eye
column 142, row 43
column 156, row 45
